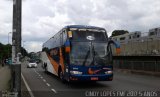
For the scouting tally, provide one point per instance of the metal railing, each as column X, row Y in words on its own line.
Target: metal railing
column 153, row 66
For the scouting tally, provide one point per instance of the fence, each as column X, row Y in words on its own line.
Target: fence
column 153, row 66
column 140, row 46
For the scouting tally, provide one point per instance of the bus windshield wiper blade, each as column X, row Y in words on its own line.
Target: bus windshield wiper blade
column 86, row 57
column 93, row 55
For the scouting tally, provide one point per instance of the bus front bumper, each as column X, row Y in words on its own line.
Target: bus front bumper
column 104, row 77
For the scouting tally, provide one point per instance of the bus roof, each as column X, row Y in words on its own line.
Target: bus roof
column 79, row 27
column 83, row 26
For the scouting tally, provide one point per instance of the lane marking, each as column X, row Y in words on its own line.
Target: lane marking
column 48, row 84
column 35, row 71
column 54, row 90
column 27, row 86
column 44, row 80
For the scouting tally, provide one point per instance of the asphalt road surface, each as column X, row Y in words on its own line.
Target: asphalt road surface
column 41, row 84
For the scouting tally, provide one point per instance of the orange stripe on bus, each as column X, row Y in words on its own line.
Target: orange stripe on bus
column 67, row 49
column 61, row 60
column 54, row 64
column 90, row 71
column 118, row 51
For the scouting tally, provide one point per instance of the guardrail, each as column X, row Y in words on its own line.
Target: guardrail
column 153, row 66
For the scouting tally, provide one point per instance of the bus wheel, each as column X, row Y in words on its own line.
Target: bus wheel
column 61, row 75
column 45, row 67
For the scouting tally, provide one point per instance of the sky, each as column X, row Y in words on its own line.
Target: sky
column 41, row 19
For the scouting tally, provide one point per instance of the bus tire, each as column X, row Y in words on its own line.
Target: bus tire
column 60, row 74
column 45, row 67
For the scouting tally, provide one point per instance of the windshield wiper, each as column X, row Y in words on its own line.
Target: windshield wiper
column 86, row 57
column 97, row 58
column 93, row 54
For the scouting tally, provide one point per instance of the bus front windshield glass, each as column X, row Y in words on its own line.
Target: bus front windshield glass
column 80, row 52
column 89, row 53
column 100, row 55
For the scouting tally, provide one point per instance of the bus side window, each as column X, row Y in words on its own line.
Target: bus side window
column 64, row 36
column 54, row 53
column 63, row 47
column 61, row 38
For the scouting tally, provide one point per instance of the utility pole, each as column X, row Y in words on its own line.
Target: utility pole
column 16, row 48
column 16, row 38
column 8, row 47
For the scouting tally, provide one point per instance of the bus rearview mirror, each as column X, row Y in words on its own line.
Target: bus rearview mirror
column 67, row 49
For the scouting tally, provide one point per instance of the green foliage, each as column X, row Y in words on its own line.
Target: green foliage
column 32, row 55
column 118, row 32
column 24, row 52
column 6, row 51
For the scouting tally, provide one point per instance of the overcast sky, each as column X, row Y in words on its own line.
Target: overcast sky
column 41, row 19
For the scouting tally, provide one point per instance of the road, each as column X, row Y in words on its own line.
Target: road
column 47, row 85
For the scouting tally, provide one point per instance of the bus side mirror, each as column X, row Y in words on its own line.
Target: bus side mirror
column 67, row 46
column 67, row 49
column 116, row 44
column 118, row 51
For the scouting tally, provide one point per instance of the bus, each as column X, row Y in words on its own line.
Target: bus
column 79, row 53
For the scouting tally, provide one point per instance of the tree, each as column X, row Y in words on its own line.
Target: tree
column 118, row 32
column 6, row 52
column 24, row 52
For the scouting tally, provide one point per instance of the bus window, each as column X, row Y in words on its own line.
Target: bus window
column 64, row 36
column 54, row 53
column 61, row 38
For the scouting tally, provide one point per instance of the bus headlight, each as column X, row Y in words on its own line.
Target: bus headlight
column 109, row 72
column 76, row 72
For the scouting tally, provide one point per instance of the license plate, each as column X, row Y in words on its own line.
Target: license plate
column 94, row 78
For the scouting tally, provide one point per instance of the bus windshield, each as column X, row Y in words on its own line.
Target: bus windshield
column 89, row 53
column 79, row 52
